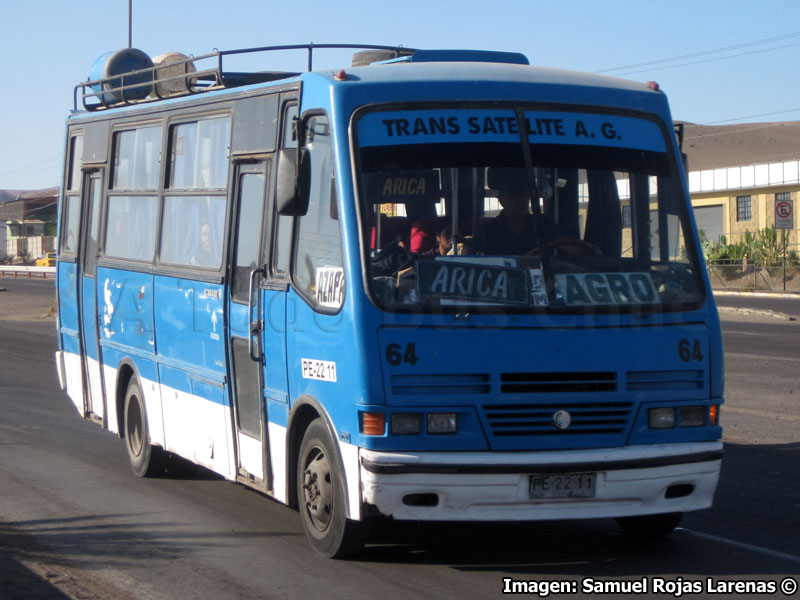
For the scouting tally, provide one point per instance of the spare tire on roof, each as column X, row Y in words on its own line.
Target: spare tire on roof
column 172, row 66
column 113, row 69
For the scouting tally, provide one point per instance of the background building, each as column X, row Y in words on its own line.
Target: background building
column 28, row 220
column 737, row 173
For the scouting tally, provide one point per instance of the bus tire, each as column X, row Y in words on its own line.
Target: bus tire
column 146, row 460
column 649, row 526
column 322, row 498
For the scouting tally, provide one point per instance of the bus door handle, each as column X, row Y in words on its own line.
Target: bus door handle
column 254, row 328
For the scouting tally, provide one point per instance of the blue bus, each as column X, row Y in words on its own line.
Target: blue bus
column 430, row 285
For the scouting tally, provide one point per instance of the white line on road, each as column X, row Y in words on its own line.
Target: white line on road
column 742, row 545
column 762, row 357
column 726, row 331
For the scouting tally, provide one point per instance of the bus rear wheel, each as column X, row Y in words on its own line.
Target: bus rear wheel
column 146, row 460
column 649, row 526
column 322, row 498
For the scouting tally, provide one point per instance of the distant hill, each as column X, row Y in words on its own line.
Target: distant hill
column 8, row 195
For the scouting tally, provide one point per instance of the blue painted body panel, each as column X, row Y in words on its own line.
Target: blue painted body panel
column 125, row 305
column 186, row 382
column 89, row 315
column 70, row 344
column 276, row 383
column 189, row 325
column 67, row 287
column 329, row 338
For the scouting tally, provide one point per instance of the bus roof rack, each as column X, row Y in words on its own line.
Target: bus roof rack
column 179, row 76
column 129, row 76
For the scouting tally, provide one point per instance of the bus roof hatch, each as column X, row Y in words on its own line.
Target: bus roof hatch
column 514, row 58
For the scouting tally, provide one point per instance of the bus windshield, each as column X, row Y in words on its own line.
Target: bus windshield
column 457, row 212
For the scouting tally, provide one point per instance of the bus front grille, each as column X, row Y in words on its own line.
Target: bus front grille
column 648, row 381
column 583, row 418
column 420, row 385
column 558, row 382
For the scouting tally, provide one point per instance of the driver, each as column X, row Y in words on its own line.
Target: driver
column 512, row 232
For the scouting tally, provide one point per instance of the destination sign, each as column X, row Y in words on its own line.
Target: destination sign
column 607, row 288
column 402, row 187
column 466, row 281
column 438, row 126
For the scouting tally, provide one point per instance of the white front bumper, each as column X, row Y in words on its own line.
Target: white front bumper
column 492, row 486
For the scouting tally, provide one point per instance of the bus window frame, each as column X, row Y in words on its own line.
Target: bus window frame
column 116, row 132
column 174, row 121
column 308, row 298
column 70, row 194
column 195, row 272
column 244, row 165
column 110, row 191
column 283, row 277
column 168, row 121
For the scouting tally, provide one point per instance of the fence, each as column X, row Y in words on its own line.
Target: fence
column 29, row 272
column 30, row 248
column 754, row 277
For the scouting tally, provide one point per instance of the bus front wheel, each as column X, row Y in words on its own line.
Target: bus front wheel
column 322, row 497
column 649, row 526
column 146, row 460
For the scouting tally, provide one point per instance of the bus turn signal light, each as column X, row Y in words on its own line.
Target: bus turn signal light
column 713, row 414
column 373, row 423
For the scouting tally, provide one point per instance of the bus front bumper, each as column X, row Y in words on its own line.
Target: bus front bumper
column 496, row 486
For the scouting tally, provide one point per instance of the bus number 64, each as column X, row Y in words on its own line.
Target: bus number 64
column 690, row 350
column 395, row 357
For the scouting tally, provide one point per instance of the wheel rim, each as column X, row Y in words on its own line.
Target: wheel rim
column 133, row 429
column 317, row 489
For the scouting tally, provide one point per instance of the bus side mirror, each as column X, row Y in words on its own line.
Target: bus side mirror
column 294, row 182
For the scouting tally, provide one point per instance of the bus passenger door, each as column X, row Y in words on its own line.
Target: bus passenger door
column 245, row 324
column 93, row 193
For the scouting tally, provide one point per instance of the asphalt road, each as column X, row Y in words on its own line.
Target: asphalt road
column 76, row 523
column 777, row 304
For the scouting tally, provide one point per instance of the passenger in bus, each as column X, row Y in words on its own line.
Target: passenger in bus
column 204, row 254
column 513, row 232
column 444, row 242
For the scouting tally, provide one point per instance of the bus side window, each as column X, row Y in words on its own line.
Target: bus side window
column 283, row 227
column 193, row 223
column 70, row 233
column 72, row 202
column 318, row 270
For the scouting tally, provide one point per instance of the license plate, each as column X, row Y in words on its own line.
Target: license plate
column 568, row 485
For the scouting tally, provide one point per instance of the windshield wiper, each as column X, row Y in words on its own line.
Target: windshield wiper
column 538, row 223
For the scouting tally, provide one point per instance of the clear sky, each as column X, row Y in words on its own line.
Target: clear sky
column 733, row 61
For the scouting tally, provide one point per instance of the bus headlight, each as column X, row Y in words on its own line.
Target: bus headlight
column 661, row 418
column 442, row 423
column 406, row 423
column 693, row 416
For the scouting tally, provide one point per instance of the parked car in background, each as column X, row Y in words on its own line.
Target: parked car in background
column 48, row 260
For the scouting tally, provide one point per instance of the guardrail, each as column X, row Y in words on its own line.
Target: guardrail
column 8, row 270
